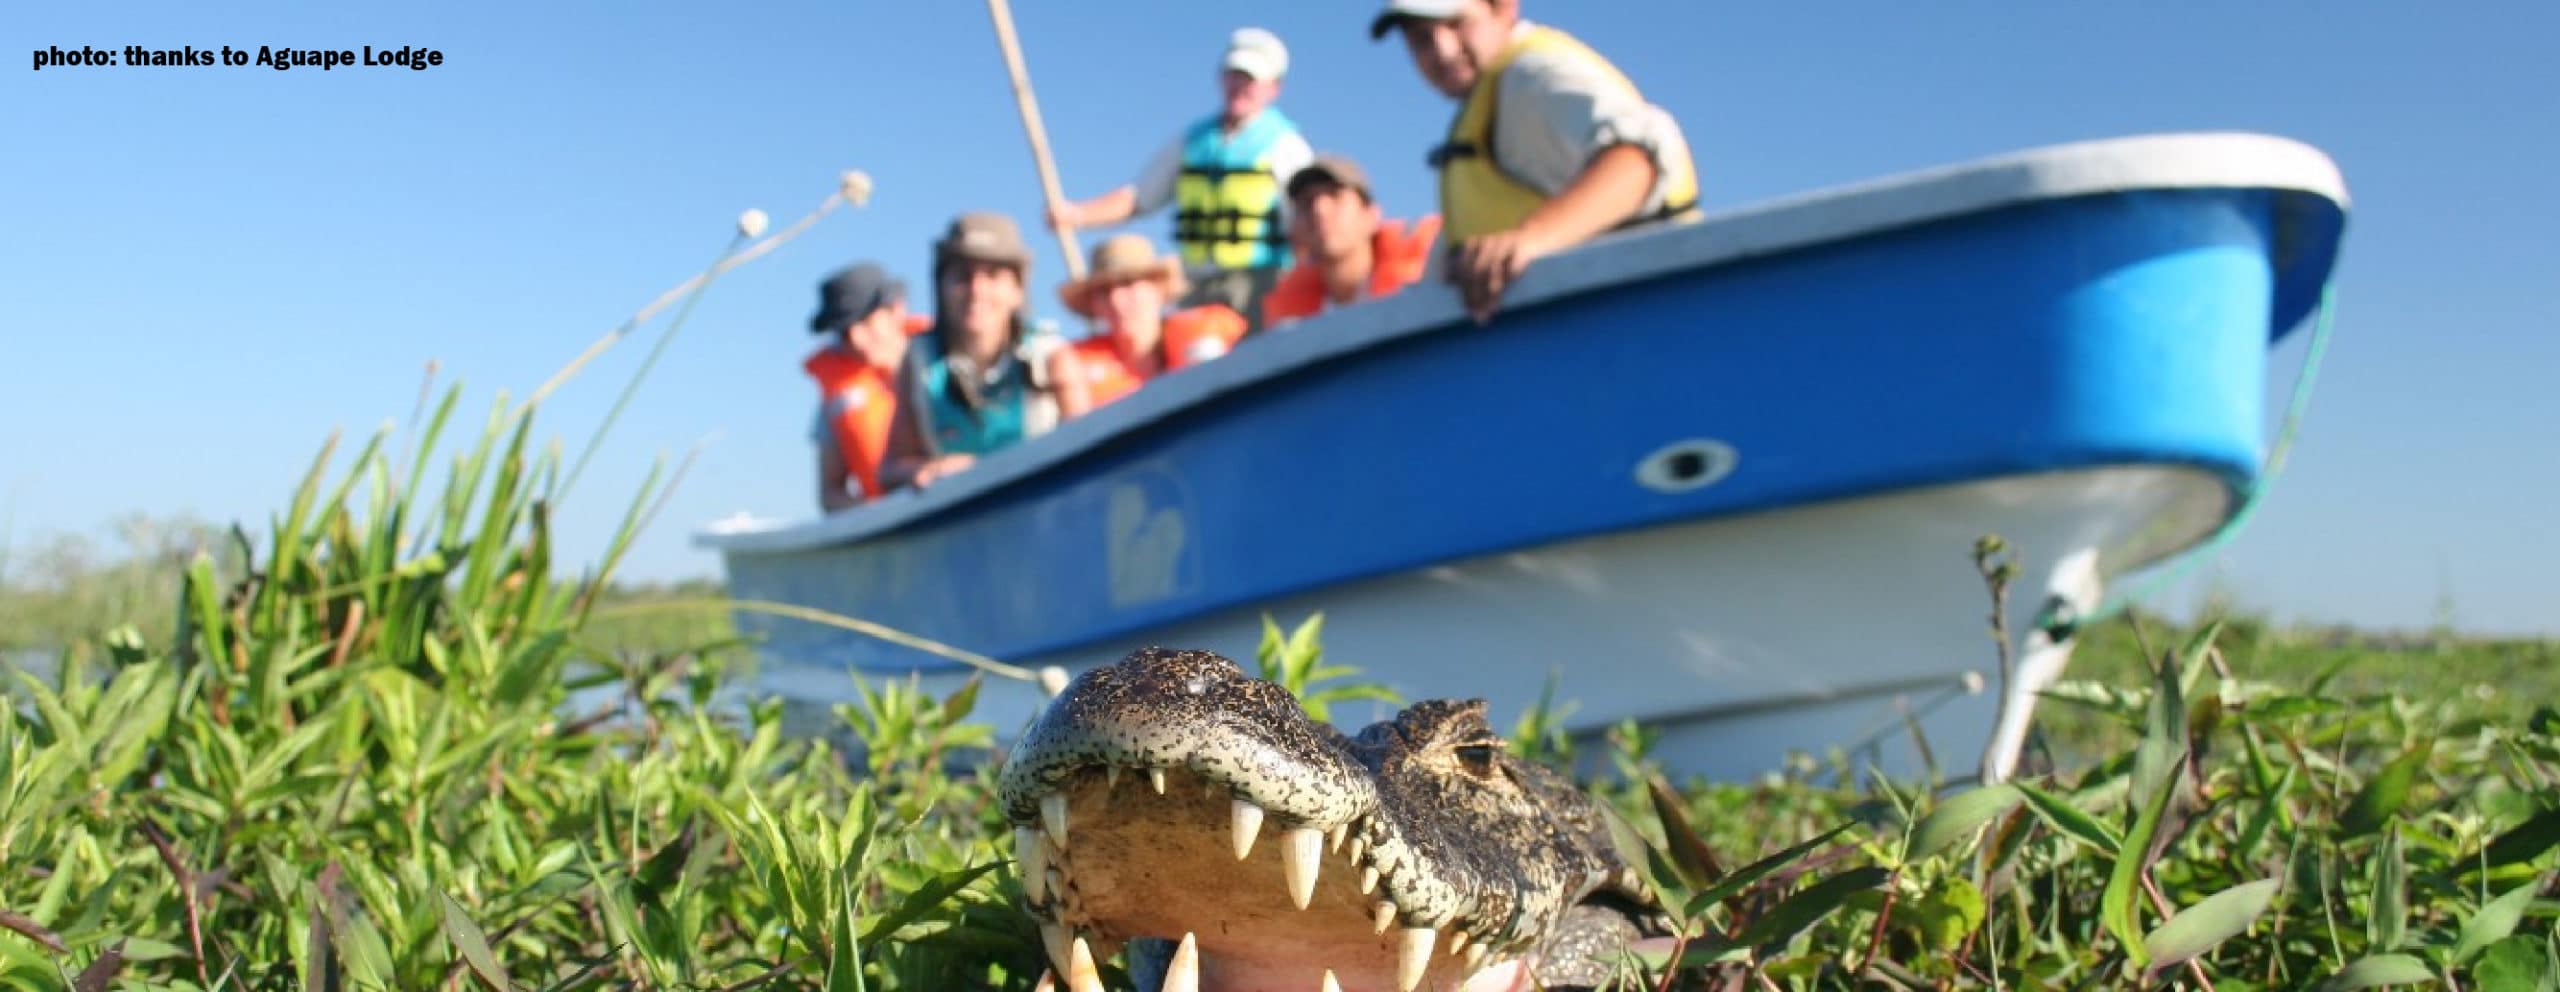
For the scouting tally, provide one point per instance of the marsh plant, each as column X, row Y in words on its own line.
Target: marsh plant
column 386, row 751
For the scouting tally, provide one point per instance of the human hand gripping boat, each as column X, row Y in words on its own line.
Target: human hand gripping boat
column 1722, row 477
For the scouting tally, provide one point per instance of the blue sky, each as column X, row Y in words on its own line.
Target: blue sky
column 210, row 268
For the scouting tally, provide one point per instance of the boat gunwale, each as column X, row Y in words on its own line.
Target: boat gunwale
column 2149, row 163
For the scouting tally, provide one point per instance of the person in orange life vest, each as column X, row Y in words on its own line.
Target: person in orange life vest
column 863, row 311
column 1345, row 251
column 1126, row 291
column 1552, row 144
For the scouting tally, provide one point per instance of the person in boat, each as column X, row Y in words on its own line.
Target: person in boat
column 1552, row 145
column 1126, row 292
column 1345, row 250
column 863, row 312
column 973, row 385
column 1223, row 176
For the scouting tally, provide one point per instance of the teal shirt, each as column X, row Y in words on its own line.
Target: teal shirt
column 951, row 428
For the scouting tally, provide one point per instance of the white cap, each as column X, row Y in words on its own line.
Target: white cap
column 1427, row 9
column 1257, row 53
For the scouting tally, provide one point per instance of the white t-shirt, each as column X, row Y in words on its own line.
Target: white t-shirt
column 1554, row 111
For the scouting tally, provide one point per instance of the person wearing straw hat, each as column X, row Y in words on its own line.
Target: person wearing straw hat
column 1345, row 249
column 1126, row 292
column 1552, row 145
column 1223, row 176
column 863, row 312
column 977, row 383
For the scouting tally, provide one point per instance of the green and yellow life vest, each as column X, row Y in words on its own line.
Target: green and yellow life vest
column 1227, row 199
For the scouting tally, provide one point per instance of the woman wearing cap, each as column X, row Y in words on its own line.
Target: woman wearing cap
column 1127, row 292
column 863, row 310
column 974, row 385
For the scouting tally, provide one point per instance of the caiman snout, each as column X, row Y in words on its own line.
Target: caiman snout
column 1172, row 796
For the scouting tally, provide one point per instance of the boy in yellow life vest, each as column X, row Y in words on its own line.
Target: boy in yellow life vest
column 1223, row 176
column 862, row 311
column 1552, row 145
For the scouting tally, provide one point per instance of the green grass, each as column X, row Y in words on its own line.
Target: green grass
column 352, row 758
column 392, row 743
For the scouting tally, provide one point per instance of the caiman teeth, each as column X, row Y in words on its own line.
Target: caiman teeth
column 1155, row 777
column 1475, row 957
column 1368, row 879
column 1359, row 846
column 1110, row 776
column 1382, row 917
column 1330, row 985
column 1413, row 956
column 1182, row 974
column 1053, row 815
column 1082, row 976
column 1248, row 825
column 1333, row 840
column 1053, row 939
column 1301, row 851
column 1034, row 863
column 1457, row 942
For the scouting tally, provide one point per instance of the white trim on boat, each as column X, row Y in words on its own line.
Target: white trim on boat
column 2152, row 162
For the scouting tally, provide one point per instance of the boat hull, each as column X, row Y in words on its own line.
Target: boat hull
column 1857, row 627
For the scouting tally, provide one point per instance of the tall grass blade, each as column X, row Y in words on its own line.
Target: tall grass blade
column 1807, row 907
column 2525, row 842
column 471, row 943
column 2205, row 925
column 2493, row 922
column 2376, row 971
column 1959, row 817
column 2387, row 922
column 2383, row 798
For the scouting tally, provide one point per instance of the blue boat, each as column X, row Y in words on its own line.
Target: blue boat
column 1723, row 478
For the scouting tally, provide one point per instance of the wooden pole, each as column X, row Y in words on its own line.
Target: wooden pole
column 1031, row 126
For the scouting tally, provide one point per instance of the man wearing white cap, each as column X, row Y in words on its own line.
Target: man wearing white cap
column 1224, row 176
column 1552, row 145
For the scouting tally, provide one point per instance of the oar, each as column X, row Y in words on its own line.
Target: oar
column 1031, row 125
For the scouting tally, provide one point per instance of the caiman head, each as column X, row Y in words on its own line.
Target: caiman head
column 1171, row 797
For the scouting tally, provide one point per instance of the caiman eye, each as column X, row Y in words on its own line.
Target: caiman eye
column 1479, row 757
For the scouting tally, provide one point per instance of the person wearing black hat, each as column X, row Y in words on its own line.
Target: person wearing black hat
column 1346, row 248
column 862, row 311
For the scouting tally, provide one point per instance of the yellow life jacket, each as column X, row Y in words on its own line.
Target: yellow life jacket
column 1478, row 196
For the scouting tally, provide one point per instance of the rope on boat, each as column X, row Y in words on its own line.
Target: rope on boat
column 2060, row 621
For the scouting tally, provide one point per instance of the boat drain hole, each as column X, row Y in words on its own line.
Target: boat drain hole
column 1686, row 465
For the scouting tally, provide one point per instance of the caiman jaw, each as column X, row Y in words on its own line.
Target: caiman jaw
column 1120, row 852
column 1171, row 796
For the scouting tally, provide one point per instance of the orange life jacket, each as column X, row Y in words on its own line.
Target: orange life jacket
column 1201, row 333
column 1398, row 256
column 1190, row 337
column 861, row 399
